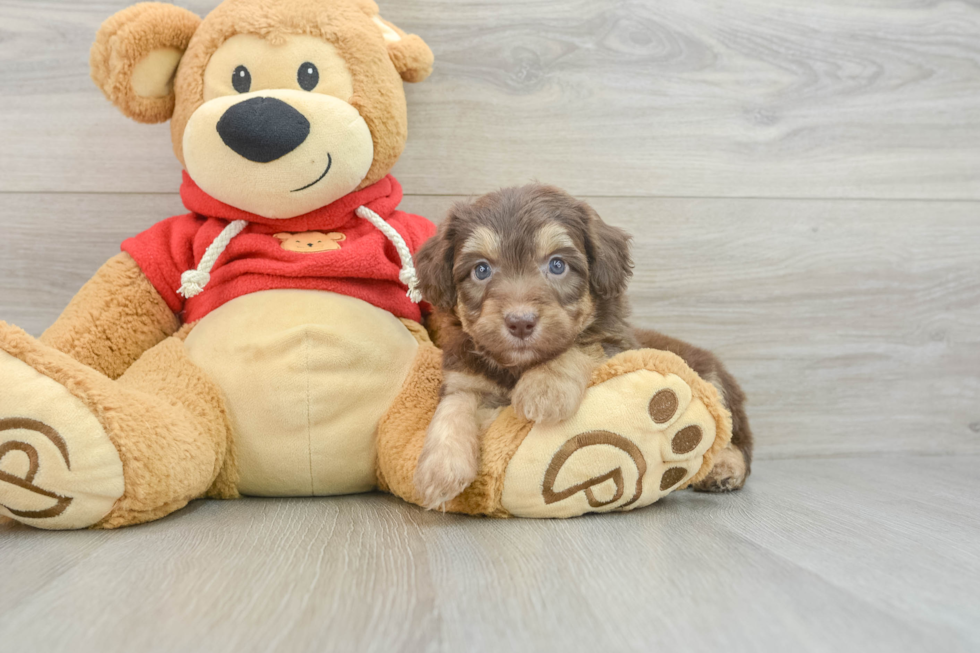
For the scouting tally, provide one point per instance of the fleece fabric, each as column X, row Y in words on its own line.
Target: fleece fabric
column 365, row 266
column 116, row 317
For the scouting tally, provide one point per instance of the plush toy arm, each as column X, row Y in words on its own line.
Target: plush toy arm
column 114, row 318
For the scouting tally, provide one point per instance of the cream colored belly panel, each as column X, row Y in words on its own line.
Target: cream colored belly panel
column 307, row 375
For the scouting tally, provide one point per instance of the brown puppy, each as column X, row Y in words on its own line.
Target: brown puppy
column 529, row 289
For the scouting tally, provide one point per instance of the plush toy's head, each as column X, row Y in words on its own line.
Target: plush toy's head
column 277, row 107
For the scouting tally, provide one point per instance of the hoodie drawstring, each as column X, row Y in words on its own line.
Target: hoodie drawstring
column 192, row 282
column 407, row 274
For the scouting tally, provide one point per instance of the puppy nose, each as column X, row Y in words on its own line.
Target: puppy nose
column 263, row 129
column 521, row 325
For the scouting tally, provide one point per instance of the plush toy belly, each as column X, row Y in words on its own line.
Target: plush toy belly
column 307, row 375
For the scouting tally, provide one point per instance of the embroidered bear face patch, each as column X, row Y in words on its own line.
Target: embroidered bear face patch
column 310, row 241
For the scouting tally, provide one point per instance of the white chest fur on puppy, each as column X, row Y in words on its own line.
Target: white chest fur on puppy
column 307, row 375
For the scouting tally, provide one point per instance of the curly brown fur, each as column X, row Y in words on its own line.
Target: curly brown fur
column 518, row 232
column 528, row 286
column 579, row 317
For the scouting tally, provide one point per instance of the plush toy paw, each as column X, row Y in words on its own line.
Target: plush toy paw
column 728, row 473
column 635, row 438
column 58, row 468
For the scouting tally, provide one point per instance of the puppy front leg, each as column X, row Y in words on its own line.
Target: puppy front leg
column 553, row 391
column 451, row 453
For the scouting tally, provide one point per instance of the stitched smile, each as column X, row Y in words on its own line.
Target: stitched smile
column 329, row 163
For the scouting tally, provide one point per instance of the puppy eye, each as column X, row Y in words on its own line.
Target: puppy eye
column 482, row 271
column 557, row 266
column 241, row 79
column 308, row 76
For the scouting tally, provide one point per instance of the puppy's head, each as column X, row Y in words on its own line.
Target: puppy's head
column 526, row 270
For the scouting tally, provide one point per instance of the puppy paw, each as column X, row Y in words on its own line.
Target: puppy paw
column 547, row 398
column 442, row 474
column 728, row 473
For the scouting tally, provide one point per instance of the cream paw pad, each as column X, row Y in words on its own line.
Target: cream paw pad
column 58, row 468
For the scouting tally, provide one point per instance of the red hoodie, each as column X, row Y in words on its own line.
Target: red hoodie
column 365, row 266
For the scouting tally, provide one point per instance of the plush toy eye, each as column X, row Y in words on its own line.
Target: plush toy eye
column 308, row 76
column 241, row 79
column 557, row 266
column 482, row 271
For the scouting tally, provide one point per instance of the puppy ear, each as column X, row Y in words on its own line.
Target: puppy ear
column 434, row 266
column 608, row 251
column 411, row 56
column 135, row 57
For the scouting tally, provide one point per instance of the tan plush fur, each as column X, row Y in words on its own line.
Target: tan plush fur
column 417, row 330
column 412, row 58
column 499, row 443
column 114, row 318
column 225, row 486
column 164, row 416
column 378, row 66
column 127, row 38
column 402, row 429
column 378, row 93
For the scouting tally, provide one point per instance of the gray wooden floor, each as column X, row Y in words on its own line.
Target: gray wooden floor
column 803, row 182
column 841, row 554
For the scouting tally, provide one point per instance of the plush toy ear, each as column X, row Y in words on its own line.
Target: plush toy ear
column 283, row 236
column 411, row 56
column 135, row 56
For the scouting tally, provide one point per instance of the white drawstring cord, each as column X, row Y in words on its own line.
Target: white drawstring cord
column 407, row 274
column 193, row 281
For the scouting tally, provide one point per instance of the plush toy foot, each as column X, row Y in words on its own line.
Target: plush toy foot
column 637, row 436
column 728, row 473
column 648, row 425
column 58, row 468
column 79, row 449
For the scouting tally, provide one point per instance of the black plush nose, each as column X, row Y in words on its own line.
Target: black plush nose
column 521, row 325
column 263, row 129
